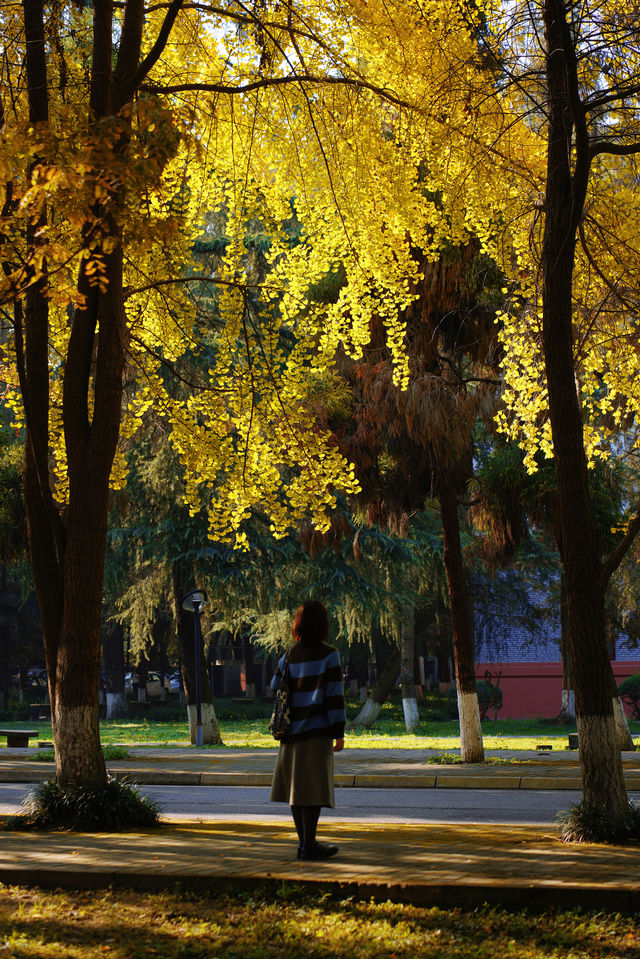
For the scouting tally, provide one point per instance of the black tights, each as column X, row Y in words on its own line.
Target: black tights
column 306, row 820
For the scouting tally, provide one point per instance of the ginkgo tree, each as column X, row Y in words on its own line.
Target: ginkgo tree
column 123, row 126
column 573, row 72
column 523, row 122
column 375, row 129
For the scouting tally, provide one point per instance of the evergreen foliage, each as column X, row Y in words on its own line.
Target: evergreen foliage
column 586, row 822
column 629, row 692
column 115, row 807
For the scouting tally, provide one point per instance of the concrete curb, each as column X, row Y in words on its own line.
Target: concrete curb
column 355, row 768
column 169, row 777
column 597, row 897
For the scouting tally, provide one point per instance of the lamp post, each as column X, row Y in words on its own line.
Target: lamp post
column 192, row 602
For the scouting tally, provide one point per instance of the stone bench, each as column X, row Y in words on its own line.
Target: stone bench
column 18, row 737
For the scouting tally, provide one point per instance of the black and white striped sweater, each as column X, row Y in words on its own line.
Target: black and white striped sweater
column 317, row 692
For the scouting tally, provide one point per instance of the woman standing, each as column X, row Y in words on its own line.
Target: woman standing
column 303, row 776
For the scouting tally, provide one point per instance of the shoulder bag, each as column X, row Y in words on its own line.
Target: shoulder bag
column 280, row 723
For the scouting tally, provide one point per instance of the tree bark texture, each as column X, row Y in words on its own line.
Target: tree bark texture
column 113, row 665
column 567, row 703
column 67, row 545
column 603, row 782
column 471, row 747
column 625, row 740
column 443, row 653
column 407, row 675
column 378, row 695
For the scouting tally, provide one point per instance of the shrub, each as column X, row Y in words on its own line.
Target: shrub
column 586, row 823
column 629, row 692
column 116, row 807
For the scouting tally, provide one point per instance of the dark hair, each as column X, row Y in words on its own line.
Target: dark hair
column 311, row 623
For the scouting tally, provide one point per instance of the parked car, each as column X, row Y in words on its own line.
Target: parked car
column 154, row 683
column 34, row 676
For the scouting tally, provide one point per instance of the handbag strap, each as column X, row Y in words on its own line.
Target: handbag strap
column 285, row 671
column 284, row 678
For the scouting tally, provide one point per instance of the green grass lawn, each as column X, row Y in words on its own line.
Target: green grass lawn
column 245, row 726
column 289, row 922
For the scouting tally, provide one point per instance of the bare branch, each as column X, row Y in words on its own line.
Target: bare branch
column 614, row 149
column 161, row 41
column 355, row 82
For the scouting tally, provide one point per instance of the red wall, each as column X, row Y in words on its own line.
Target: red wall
column 535, row 689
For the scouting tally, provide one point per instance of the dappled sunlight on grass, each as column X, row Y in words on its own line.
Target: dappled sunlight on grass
column 388, row 733
column 256, row 924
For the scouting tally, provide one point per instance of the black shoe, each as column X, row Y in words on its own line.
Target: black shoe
column 319, row 850
column 299, row 855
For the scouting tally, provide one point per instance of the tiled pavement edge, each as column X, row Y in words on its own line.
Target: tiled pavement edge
column 518, row 866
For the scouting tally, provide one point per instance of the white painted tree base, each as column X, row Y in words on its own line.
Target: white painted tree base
column 210, row 729
column 568, row 704
column 411, row 715
column 601, row 764
column 79, row 756
column 367, row 715
column 622, row 725
column 471, row 745
column 117, row 706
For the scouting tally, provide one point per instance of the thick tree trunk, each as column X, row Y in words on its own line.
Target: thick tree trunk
column 182, row 575
column 67, row 546
column 378, row 695
column 603, row 784
column 79, row 757
column 407, row 676
column 471, row 746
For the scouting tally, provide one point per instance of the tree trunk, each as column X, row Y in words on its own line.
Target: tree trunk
column 79, row 758
column 625, row 740
column 567, row 712
column 443, row 653
column 182, row 576
column 8, row 637
column 603, row 784
column 407, row 676
column 113, row 665
column 378, row 695
column 210, row 729
column 67, row 544
column 471, row 746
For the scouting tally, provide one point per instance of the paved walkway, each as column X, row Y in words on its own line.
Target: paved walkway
column 470, row 864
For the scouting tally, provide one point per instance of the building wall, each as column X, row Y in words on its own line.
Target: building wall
column 532, row 689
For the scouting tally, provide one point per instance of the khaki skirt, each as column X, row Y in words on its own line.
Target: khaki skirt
column 304, row 773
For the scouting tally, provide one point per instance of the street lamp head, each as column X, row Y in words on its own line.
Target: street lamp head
column 194, row 600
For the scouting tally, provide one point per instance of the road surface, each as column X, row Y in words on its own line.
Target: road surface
column 375, row 805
